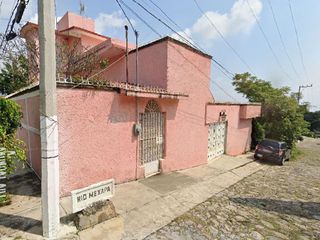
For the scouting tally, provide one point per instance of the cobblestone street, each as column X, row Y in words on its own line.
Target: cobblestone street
column 274, row 203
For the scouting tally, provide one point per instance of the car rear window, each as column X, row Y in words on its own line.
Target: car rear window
column 268, row 143
column 283, row 145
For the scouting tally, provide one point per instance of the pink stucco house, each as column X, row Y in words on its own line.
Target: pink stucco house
column 119, row 130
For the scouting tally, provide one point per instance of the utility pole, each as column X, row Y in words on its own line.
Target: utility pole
column 48, row 120
column 300, row 89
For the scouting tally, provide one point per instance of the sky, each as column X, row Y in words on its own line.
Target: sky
column 248, row 39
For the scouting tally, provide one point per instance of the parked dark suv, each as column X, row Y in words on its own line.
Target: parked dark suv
column 272, row 150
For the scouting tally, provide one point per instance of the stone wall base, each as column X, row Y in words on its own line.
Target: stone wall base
column 96, row 213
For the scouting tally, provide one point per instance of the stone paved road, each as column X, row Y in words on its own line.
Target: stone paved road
column 274, row 203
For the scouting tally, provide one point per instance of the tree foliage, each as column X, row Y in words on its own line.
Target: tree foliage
column 314, row 119
column 20, row 62
column 14, row 74
column 10, row 117
column 281, row 118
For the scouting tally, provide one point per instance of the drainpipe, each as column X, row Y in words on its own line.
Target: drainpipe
column 127, row 72
column 137, row 82
column 136, row 34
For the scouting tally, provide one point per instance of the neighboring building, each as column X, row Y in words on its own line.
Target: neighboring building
column 181, row 125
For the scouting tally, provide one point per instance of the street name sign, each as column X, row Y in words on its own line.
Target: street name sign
column 84, row 197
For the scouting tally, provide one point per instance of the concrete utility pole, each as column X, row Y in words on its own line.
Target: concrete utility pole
column 299, row 92
column 48, row 120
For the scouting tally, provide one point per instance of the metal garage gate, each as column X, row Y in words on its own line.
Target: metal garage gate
column 151, row 139
column 216, row 139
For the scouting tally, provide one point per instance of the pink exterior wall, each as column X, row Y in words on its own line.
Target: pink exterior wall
column 152, row 68
column 95, row 127
column 250, row 111
column 186, row 133
column 238, row 131
column 71, row 19
column 30, row 130
column 93, row 144
column 96, row 140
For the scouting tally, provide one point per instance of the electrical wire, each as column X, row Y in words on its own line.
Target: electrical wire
column 128, row 19
column 157, row 18
column 282, row 41
column 1, row 6
column 3, row 47
column 267, row 40
column 166, row 15
column 223, row 37
column 193, row 44
column 8, row 25
column 222, row 68
column 298, row 41
column 141, row 19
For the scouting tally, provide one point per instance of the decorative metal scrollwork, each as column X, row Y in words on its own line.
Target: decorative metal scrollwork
column 152, row 106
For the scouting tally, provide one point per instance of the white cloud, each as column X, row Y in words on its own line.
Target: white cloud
column 238, row 20
column 106, row 22
column 186, row 36
column 34, row 19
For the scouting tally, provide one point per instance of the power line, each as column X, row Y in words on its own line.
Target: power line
column 267, row 40
column 181, row 29
column 282, row 41
column 193, row 44
column 1, row 6
column 173, row 22
column 154, row 16
column 222, row 68
column 8, row 25
column 141, row 19
column 124, row 13
column 166, row 15
column 19, row 7
column 298, row 41
column 222, row 36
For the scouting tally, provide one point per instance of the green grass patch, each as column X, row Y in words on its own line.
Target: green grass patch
column 296, row 153
column 5, row 200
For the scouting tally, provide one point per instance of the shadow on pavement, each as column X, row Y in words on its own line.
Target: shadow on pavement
column 24, row 185
column 21, row 223
column 310, row 210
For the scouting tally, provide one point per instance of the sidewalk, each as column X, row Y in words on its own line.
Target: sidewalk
column 149, row 204
column 143, row 206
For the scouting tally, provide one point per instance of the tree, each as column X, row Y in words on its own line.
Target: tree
column 10, row 117
column 11, row 149
column 21, row 62
column 14, row 75
column 281, row 116
column 314, row 119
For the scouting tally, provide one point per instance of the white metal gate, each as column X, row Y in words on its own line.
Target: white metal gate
column 151, row 139
column 216, row 139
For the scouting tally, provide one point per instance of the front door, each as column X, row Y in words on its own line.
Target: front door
column 151, row 139
column 216, row 139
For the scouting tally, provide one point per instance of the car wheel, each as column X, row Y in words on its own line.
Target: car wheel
column 282, row 161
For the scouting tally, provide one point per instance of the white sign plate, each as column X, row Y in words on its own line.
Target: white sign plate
column 84, row 197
